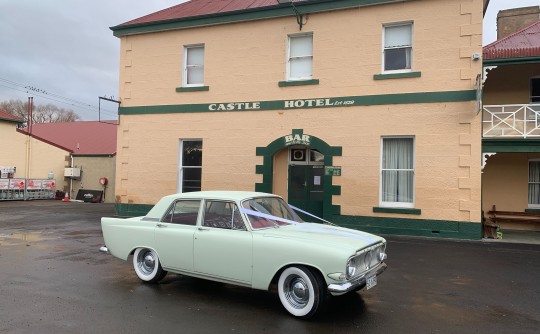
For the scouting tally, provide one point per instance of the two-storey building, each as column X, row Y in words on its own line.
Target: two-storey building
column 511, row 118
column 364, row 112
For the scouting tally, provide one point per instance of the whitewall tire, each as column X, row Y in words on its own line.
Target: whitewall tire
column 301, row 291
column 147, row 266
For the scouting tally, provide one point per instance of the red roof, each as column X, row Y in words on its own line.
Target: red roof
column 5, row 116
column 523, row 43
column 79, row 138
column 195, row 8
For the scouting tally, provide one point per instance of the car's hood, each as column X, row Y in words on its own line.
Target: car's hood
column 325, row 235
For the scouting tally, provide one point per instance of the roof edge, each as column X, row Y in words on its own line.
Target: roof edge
column 26, row 133
column 249, row 14
column 11, row 120
column 511, row 61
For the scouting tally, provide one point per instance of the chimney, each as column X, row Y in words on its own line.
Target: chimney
column 511, row 20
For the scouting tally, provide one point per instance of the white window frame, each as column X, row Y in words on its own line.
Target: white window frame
column 530, row 205
column 181, row 166
column 289, row 38
column 397, row 204
column 186, row 67
column 397, row 24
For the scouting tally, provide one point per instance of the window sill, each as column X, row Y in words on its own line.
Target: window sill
column 298, row 83
column 404, row 211
column 192, row 89
column 532, row 210
column 397, row 75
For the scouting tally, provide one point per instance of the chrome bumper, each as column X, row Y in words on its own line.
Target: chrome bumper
column 357, row 283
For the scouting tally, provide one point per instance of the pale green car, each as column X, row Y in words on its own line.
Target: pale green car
column 250, row 239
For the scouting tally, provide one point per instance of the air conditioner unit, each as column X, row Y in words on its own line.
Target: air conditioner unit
column 72, row 172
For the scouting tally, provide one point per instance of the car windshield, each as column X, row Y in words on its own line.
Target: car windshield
column 265, row 212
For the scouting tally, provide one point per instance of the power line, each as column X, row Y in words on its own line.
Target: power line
column 53, row 97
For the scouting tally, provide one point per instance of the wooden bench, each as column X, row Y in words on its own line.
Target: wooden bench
column 498, row 217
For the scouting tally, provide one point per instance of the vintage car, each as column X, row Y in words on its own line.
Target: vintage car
column 250, row 239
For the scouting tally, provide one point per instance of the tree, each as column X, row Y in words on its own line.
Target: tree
column 47, row 113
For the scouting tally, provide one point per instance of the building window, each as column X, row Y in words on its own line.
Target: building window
column 397, row 52
column 534, row 183
column 397, row 172
column 193, row 65
column 190, row 166
column 535, row 90
column 300, row 58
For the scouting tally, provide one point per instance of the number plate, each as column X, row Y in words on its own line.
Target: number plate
column 371, row 282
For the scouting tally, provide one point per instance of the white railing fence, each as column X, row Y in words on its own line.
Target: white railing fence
column 511, row 120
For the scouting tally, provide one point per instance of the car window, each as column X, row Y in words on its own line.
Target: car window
column 222, row 214
column 183, row 212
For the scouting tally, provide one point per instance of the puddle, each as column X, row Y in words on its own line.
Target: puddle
column 25, row 236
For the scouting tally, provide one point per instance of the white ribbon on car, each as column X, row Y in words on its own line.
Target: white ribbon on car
column 308, row 227
column 311, row 215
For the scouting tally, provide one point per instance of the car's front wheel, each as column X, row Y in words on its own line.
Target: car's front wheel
column 301, row 291
column 147, row 266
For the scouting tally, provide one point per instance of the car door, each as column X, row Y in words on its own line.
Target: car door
column 223, row 245
column 174, row 235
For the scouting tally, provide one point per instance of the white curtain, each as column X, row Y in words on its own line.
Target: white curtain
column 301, row 57
column 195, row 65
column 398, row 36
column 397, row 170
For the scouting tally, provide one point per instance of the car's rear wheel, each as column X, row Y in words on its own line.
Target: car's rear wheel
column 147, row 266
column 301, row 291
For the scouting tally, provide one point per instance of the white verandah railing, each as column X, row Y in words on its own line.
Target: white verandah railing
column 511, row 120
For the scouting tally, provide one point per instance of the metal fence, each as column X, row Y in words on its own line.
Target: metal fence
column 27, row 189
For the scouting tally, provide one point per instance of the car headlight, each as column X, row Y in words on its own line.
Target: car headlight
column 351, row 268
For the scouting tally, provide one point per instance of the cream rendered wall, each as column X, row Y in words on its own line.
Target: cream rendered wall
column 505, row 184
column 43, row 158
column 12, row 148
column 242, row 66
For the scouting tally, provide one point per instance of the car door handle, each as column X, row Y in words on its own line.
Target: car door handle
column 161, row 225
column 203, row 229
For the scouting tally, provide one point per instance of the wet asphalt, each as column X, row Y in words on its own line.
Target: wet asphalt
column 53, row 279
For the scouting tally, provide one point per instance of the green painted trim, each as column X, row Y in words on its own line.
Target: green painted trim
column 403, row 211
column 532, row 210
column 298, row 83
column 279, row 144
column 192, row 89
column 411, row 227
column 11, row 120
column 259, row 13
column 510, row 145
column 397, row 75
column 511, row 61
column 315, row 103
column 132, row 210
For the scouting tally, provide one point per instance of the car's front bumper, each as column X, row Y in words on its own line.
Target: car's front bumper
column 357, row 283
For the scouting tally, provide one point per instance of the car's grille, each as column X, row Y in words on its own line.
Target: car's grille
column 368, row 258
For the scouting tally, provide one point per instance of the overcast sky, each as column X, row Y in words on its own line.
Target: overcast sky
column 62, row 51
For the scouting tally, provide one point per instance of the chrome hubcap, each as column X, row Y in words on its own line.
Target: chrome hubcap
column 147, row 262
column 296, row 291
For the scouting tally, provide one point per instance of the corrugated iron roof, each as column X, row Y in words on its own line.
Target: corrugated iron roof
column 523, row 43
column 79, row 138
column 195, row 8
column 5, row 116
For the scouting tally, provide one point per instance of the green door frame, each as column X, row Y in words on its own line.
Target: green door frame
column 298, row 137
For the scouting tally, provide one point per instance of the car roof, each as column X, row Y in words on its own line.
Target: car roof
column 163, row 204
column 221, row 194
